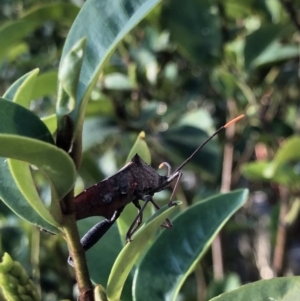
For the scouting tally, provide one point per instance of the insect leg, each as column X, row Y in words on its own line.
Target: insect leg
column 168, row 224
column 132, row 229
column 140, row 219
column 175, row 188
column 96, row 233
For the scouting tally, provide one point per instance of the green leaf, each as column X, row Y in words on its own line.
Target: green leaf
column 108, row 23
column 130, row 253
column 50, row 122
column 276, row 53
column 175, row 253
column 140, row 147
column 277, row 170
column 237, row 9
column 196, row 28
column 23, row 136
column 52, row 161
column 281, row 289
column 287, row 152
column 18, row 190
column 21, row 90
column 265, row 171
column 12, row 32
column 15, row 51
column 216, row 287
column 68, row 77
column 46, row 84
column 15, row 200
column 129, row 213
column 21, row 174
column 17, row 120
column 99, row 293
column 256, row 170
column 258, row 41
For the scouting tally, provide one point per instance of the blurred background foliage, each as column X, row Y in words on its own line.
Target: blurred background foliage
column 179, row 75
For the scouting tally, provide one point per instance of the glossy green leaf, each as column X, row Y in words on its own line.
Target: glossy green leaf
column 265, row 171
column 129, row 213
column 15, row 200
column 68, row 76
column 108, row 23
column 278, row 170
column 19, row 192
column 46, row 84
column 23, row 136
column 15, row 51
column 99, row 293
column 23, row 95
column 130, row 253
column 237, row 9
column 256, row 170
column 21, row 90
column 17, row 120
column 196, row 28
column 52, row 161
column 175, row 253
column 50, row 122
column 22, row 177
column 276, row 53
column 14, row 31
column 288, row 152
column 192, row 118
column 140, row 147
column 258, row 41
column 279, row 289
column 292, row 215
column 216, row 287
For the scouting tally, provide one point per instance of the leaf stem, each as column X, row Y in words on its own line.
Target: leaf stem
column 72, row 237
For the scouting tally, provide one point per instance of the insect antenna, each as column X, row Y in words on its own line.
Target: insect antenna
column 206, row 141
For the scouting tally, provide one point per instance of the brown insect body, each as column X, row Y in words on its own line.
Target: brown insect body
column 104, row 198
column 135, row 181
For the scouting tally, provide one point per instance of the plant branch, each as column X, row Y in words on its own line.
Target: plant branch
column 201, row 285
column 69, row 226
column 76, row 251
column 218, row 265
column 281, row 232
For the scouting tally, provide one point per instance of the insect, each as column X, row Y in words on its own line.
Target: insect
column 135, row 181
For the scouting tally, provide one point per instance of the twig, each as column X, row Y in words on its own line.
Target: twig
column 76, row 251
column 201, row 285
column 69, row 228
column 281, row 232
column 217, row 258
column 218, row 265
